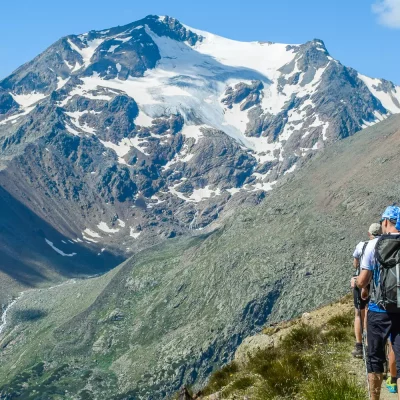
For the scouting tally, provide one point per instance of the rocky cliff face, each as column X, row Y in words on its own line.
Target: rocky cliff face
column 117, row 139
column 172, row 314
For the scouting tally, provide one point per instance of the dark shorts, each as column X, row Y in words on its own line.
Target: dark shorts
column 357, row 298
column 379, row 327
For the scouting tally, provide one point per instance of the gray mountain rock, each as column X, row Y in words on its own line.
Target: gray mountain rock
column 172, row 314
column 118, row 139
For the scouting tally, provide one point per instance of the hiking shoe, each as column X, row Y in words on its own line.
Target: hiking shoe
column 357, row 352
column 392, row 387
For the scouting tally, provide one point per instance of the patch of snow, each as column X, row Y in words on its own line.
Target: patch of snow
column 134, row 234
column 316, row 124
column 13, row 118
column 27, row 100
column 236, row 117
column 325, row 127
column 143, row 119
column 91, row 233
column 68, row 64
column 86, row 52
column 124, row 146
column 204, row 193
column 176, row 193
column 87, row 239
column 75, row 120
column 274, row 98
column 187, row 158
column 387, row 99
column 85, row 91
column 77, row 67
column 316, row 146
column 126, row 39
column 58, row 250
column 266, row 186
column 61, row 82
column 379, row 116
column 265, row 58
column 104, row 227
column 182, row 156
column 72, row 130
column 193, row 131
column 118, row 66
column 197, row 195
column 112, row 48
column 291, row 169
column 366, row 124
column 233, row 191
column 154, row 197
column 121, row 223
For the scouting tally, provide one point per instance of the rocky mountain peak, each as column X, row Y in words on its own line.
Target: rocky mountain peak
column 172, row 28
column 168, row 127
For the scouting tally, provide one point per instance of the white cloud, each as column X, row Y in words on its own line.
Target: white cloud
column 388, row 12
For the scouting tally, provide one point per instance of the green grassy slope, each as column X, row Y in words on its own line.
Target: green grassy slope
column 305, row 359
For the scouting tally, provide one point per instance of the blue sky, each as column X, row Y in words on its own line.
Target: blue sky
column 363, row 34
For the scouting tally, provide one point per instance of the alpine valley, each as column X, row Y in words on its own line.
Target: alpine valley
column 195, row 175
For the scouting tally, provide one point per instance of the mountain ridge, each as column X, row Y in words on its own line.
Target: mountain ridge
column 122, row 138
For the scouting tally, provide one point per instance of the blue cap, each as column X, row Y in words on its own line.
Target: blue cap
column 391, row 212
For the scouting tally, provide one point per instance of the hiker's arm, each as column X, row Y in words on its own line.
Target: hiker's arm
column 364, row 293
column 362, row 280
column 356, row 263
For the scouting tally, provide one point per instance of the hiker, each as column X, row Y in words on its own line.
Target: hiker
column 379, row 268
column 361, row 296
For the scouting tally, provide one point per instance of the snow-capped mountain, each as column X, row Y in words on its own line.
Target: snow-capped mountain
column 141, row 132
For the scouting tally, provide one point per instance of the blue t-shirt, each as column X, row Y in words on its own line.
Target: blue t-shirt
column 369, row 263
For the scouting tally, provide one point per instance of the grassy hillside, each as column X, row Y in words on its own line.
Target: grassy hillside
column 306, row 359
column 174, row 313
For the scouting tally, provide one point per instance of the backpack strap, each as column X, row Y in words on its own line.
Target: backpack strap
column 398, row 284
column 361, row 257
column 363, row 250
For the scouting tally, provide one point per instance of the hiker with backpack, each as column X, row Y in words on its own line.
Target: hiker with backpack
column 361, row 296
column 380, row 266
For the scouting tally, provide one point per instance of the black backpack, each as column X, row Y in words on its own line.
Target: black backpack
column 386, row 286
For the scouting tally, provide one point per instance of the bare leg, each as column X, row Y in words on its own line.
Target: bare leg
column 398, row 385
column 364, row 319
column 375, row 383
column 357, row 326
column 392, row 362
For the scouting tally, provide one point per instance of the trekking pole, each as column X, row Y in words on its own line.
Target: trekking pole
column 363, row 338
